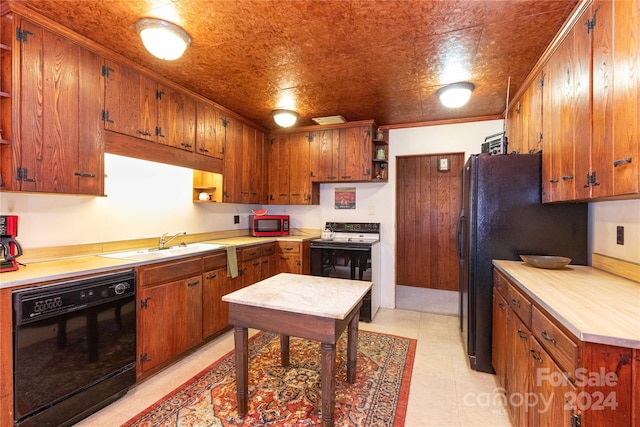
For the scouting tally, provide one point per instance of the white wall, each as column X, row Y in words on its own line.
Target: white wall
column 146, row 199
column 604, row 218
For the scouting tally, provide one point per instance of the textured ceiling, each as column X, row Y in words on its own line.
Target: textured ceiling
column 381, row 60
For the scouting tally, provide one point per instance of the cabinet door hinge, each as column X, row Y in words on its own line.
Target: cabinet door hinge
column 23, row 175
column 576, row 419
column 591, row 180
column 144, row 303
column 368, row 133
column 144, row 358
column 310, row 138
column 159, row 132
column 541, row 82
column 106, row 70
column 105, row 116
column 21, row 35
column 224, row 122
column 591, row 23
column 159, row 94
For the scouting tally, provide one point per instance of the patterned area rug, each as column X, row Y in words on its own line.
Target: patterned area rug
column 291, row 396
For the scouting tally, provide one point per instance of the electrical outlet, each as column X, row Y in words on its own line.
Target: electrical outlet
column 620, row 235
column 236, row 219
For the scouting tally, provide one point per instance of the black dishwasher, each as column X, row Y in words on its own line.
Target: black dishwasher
column 74, row 348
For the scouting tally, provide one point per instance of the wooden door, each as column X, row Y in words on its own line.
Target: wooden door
column 232, row 177
column 157, row 319
column 299, row 179
column 518, row 344
column 213, row 288
column 533, row 115
column 208, row 142
column 355, row 154
column 324, row 151
column 427, row 205
column 279, row 170
column 616, row 98
column 499, row 342
column 130, row 102
column 557, row 396
column 60, row 147
column 176, row 119
column 514, row 129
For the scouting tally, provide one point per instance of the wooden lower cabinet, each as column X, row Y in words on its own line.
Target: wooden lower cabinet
column 169, row 312
column 553, row 396
column 294, row 257
column 551, row 377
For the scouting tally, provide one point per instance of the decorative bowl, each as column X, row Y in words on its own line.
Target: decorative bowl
column 546, row 261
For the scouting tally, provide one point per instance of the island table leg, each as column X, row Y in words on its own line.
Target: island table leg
column 352, row 348
column 241, row 339
column 284, row 350
column 328, row 383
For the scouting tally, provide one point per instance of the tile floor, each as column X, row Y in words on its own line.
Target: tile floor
column 444, row 391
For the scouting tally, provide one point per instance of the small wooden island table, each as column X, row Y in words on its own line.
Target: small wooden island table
column 310, row 307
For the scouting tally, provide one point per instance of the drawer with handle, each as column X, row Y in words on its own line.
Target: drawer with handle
column 520, row 305
column 559, row 346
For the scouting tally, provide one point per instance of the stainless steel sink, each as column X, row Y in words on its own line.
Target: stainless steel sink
column 154, row 253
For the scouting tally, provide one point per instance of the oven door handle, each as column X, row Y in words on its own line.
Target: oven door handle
column 341, row 247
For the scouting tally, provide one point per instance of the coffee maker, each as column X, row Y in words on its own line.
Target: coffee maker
column 10, row 249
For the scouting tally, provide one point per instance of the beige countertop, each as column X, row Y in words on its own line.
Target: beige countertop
column 594, row 305
column 61, row 269
column 312, row 295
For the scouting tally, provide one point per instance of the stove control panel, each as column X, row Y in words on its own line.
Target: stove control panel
column 353, row 227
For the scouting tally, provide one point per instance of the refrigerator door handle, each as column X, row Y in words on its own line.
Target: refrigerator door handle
column 459, row 232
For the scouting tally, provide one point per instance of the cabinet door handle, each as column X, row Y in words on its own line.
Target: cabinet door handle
column 289, row 248
column 192, row 284
column 203, row 150
column 566, row 177
column 535, row 356
column 553, row 181
column 212, row 276
column 143, row 132
column 346, row 176
column 522, row 335
column 85, row 174
column 501, row 306
column 619, row 162
column 548, row 338
column 515, row 303
column 331, row 177
column 186, row 145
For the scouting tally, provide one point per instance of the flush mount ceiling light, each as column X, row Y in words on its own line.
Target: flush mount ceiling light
column 456, row 94
column 162, row 38
column 285, row 118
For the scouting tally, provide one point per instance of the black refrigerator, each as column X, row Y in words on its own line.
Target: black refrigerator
column 502, row 217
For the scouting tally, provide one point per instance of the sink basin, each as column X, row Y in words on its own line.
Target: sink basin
column 153, row 254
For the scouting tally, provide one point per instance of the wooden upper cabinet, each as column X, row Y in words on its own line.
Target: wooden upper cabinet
column 58, row 147
column 616, row 98
column 591, row 107
column 355, row 154
column 252, row 165
column 210, row 131
column 566, row 110
column 138, row 106
column 324, row 155
column 278, row 169
column 130, row 105
column 233, row 164
column 176, row 119
column 299, row 179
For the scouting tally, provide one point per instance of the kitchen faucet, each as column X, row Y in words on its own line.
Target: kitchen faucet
column 162, row 244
